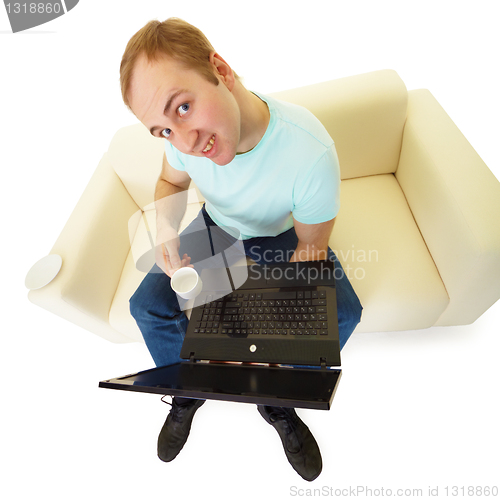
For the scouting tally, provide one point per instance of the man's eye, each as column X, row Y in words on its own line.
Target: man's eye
column 183, row 109
column 166, row 133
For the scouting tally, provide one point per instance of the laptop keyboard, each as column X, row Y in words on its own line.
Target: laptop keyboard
column 240, row 314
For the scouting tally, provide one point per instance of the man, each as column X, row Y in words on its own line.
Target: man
column 265, row 167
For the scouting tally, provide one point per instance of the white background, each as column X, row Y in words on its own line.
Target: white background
column 414, row 409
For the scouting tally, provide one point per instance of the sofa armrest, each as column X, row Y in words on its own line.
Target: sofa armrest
column 94, row 245
column 455, row 200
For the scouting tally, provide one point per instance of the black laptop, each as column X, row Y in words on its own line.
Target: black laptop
column 273, row 340
column 283, row 313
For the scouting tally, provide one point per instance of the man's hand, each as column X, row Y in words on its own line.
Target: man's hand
column 167, row 252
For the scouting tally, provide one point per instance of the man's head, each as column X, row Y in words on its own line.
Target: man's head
column 182, row 90
column 174, row 38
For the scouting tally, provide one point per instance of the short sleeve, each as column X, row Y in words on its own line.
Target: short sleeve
column 316, row 196
column 174, row 157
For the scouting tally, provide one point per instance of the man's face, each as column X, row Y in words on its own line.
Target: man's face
column 183, row 106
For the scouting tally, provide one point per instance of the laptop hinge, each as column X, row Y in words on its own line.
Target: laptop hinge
column 323, row 363
column 191, row 358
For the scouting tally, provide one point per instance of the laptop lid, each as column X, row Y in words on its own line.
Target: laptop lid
column 311, row 388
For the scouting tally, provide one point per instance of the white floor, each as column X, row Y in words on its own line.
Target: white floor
column 414, row 410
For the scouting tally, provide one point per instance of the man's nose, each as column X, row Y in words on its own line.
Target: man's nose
column 187, row 139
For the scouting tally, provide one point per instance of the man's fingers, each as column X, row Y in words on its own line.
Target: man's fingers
column 186, row 261
column 169, row 260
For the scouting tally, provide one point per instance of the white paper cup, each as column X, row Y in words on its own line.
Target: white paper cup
column 186, row 283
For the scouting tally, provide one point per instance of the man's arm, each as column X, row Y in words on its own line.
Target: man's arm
column 170, row 204
column 170, row 209
column 313, row 240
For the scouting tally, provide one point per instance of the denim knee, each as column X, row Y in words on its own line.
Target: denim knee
column 136, row 307
column 349, row 320
column 356, row 313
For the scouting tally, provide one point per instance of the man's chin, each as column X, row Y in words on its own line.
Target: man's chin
column 222, row 161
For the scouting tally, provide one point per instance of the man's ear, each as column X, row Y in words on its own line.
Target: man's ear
column 222, row 70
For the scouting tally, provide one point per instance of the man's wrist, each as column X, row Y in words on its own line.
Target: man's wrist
column 165, row 232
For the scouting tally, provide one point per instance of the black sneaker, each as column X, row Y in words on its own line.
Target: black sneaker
column 300, row 446
column 175, row 430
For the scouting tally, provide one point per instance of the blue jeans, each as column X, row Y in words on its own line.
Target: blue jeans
column 163, row 323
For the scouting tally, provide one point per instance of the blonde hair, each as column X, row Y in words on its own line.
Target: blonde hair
column 173, row 37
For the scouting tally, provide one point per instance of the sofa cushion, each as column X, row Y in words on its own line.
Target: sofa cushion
column 365, row 116
column 378, row 242
column 137, row 158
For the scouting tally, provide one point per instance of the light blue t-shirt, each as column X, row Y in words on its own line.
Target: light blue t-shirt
column 294, row 169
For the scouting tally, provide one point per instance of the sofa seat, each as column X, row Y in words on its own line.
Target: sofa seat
column 385, row 259
column 382, row 251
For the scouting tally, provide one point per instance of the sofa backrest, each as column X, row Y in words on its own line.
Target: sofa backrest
column 137, row 158
column 364, row 114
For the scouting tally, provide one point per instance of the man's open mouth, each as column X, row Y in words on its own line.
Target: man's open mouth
column 209, row 145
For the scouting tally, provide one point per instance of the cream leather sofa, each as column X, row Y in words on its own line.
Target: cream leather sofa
column 418, row 230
